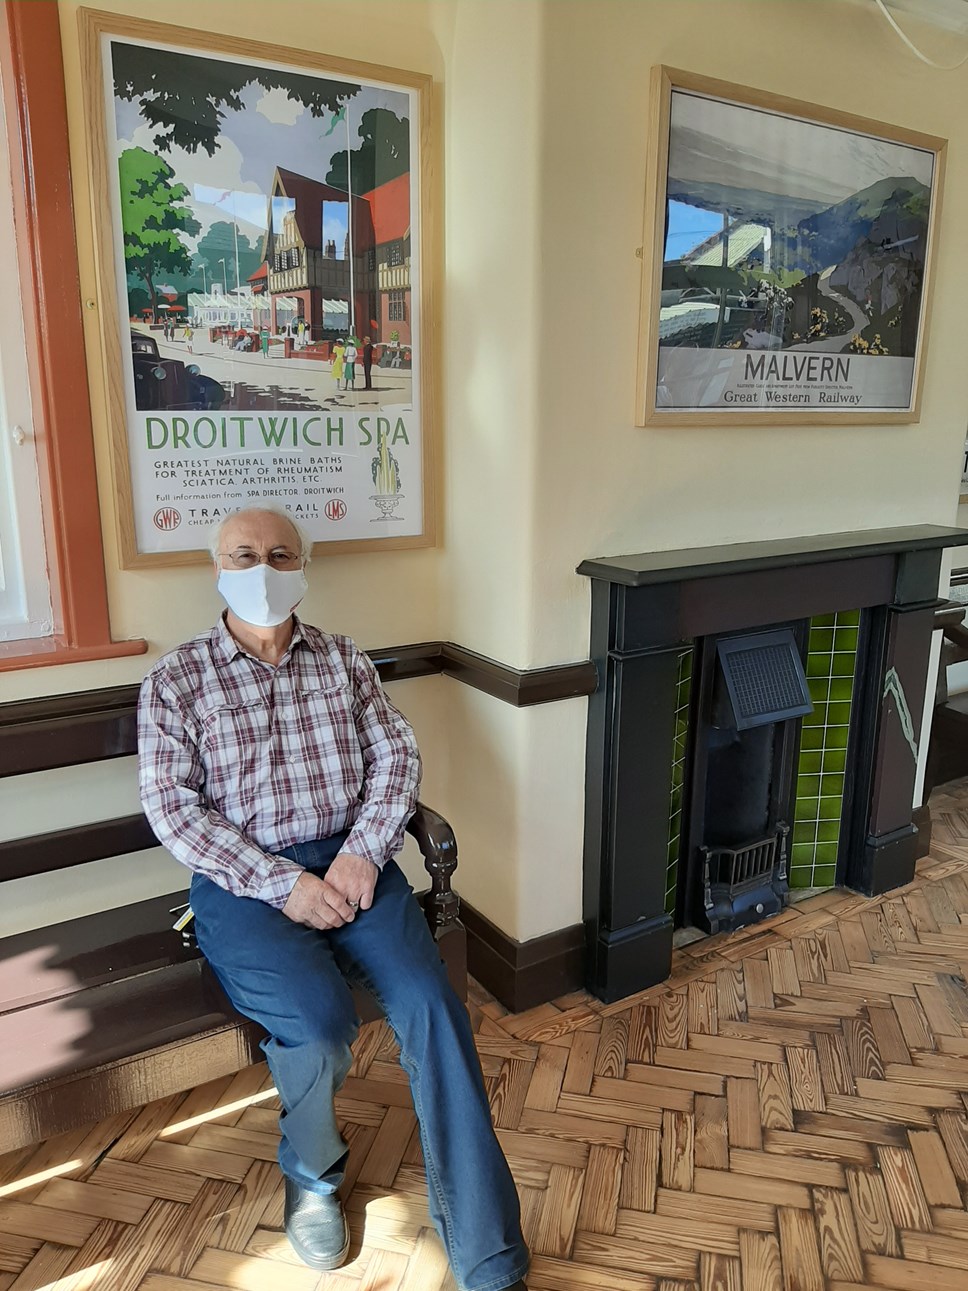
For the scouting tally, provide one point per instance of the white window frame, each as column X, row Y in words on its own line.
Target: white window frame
column 25, row 604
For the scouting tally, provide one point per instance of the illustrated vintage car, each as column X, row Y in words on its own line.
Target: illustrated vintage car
column 170, row 384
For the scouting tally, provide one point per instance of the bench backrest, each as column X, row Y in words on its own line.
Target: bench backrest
column 95, row 726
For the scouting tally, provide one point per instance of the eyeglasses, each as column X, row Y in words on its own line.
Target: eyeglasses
column 246, row 558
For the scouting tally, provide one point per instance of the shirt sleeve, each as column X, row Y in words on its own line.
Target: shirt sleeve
column 172, row 782
column 392, row 768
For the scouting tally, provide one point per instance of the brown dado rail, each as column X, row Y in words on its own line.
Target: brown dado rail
column 38, row 734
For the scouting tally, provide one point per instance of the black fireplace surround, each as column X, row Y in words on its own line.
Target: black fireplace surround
column 646, row 610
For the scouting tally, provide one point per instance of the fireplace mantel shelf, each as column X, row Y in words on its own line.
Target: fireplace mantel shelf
column 654, row 567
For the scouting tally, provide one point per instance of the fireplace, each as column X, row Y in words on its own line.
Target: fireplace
column 742, row 742
column 754, row 730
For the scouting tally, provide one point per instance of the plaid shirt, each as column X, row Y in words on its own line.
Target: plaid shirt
column 239, row 759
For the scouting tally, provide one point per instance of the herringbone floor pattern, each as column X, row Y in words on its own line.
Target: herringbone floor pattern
column 787, row 1113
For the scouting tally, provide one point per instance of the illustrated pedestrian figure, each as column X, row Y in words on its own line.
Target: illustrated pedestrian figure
column 300, row 334
column 187, row 336
column 349, row 364
column 338, row 363
column 367, row 362
column 264, row 342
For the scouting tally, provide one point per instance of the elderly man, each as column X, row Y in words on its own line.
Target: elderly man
column 273, row 766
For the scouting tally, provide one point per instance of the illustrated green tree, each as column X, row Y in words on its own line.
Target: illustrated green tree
column 153, row 219
column 219, row 244
column 185, row 97
column 138, row 301
column 383, row 155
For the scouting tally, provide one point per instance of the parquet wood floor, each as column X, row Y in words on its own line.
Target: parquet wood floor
column 788, row 1113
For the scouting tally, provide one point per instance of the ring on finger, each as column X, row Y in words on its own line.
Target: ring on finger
column 353, row 905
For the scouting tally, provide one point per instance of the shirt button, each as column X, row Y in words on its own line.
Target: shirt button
column 296, row 762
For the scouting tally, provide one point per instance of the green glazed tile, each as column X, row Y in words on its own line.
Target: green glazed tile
column 807, row 809
column 832, row 786
column 808, row 786
column 818, row 665
column 845, row 638
column 835, row 760
column 841, row 688
column 824, row 876
column 811, row 736
column 826, row 854
column 805, row 833
column 802, row 877
column 837, row 737
column 842, row 664
column 822, row 621
column 838, row 714
column 821, row 640
column 811, row 762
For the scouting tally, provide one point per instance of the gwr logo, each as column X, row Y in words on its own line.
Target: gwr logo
column 335, row 509
column 166, row 519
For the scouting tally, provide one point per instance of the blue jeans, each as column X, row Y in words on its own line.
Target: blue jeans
column 292, row 980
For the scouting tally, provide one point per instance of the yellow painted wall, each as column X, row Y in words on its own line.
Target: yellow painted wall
column 598, row 484
column 544, row 140
column 608, row 487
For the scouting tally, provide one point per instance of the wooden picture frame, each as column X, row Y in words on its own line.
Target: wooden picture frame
column 787, row 261
column 238, row 237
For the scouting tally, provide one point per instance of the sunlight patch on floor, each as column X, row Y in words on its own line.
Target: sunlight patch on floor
column 32, row 1180
column 223, row 1109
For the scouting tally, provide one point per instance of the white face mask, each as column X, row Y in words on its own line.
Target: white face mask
column 262, row 596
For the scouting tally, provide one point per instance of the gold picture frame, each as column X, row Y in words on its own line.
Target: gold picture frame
column 239, row 237
column 787, row 261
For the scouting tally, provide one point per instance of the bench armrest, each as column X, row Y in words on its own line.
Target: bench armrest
column 437, row 844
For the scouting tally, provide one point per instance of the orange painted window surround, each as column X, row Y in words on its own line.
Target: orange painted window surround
column 35, row 106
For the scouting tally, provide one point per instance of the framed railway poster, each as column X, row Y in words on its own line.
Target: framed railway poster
column 787, row 260
column 265, row 287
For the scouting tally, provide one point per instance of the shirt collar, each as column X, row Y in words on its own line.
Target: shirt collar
column 225, row 648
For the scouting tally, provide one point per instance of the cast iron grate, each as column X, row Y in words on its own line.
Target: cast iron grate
column 742, row 885
column 738, row 865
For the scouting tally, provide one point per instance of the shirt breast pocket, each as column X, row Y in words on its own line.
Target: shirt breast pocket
column 233, row 743
column 323, row 717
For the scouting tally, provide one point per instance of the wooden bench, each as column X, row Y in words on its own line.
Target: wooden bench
column 111, row 1010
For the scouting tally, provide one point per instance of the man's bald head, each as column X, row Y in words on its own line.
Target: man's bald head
column 261, row 528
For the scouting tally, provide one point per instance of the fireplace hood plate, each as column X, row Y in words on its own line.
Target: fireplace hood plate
column 764, row 678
